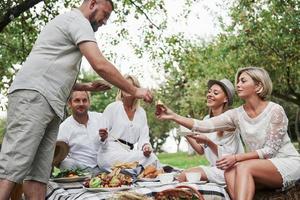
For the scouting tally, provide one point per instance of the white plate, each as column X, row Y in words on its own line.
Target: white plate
column 148, row 179
column 196, row 182
column 154, row 184
column 111, row 189
column 70, row 179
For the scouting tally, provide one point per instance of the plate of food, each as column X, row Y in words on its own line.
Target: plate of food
column 108, row 182
column 109, row 189
column 148, row 179
column 68, row 175
column 150, row 174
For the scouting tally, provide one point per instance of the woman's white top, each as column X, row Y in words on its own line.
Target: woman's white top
column 229, row 143
column 132, row 131
column 266, row 134
column 120, row 127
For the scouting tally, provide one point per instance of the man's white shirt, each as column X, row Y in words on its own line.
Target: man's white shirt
column 84, row 141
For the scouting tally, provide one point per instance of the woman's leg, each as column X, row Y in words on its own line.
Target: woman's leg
column 230, row 175
column 182, row 178
column 255, row 171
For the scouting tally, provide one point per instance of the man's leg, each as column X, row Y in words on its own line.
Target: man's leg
column 20, row 141
column 34, row 190
column 5, row 189
column 36, row 181
column 25, row 130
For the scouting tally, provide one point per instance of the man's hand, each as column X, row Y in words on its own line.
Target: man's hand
column 147, row 150
column 145, row 94
column 100, row 85
column 103, row 134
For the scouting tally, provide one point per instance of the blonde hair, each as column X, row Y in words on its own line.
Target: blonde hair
column 136, row 83
column 259, row 76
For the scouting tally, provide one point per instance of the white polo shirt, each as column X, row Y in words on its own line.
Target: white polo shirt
column 84, row 141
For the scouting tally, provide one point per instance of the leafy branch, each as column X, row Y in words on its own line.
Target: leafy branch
column 16, row 11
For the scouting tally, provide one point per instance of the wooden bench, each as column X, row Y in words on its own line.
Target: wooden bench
column 290, row 194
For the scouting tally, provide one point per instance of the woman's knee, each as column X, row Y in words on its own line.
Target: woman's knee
column 244, row 167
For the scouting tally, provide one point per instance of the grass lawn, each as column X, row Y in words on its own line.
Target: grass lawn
column 182, row 160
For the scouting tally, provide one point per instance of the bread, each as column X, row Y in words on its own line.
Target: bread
column 150, row 169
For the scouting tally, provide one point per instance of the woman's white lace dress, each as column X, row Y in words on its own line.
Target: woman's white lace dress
column 266, row 134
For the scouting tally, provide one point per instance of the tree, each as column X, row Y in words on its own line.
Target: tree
column 266, row 33
column 22, row 20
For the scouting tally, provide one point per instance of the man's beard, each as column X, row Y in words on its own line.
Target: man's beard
column 94, row 25
column 93, row 22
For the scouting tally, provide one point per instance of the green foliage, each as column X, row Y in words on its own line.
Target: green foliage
column 17, row 39
column 182, row 160
column 266, row 33
column 262, row 33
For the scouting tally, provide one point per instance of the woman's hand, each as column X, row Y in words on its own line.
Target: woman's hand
column 164, row 113
column 103, row 134
column 200, row 138
column 147, row 150
column 226, row 162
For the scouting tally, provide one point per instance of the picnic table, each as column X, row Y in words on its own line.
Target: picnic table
column 75, row 191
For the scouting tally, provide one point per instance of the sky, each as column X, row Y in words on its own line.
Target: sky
column 201, row 23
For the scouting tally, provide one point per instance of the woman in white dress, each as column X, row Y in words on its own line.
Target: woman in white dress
column 127, row 125
column 272, row 160
column 219, row 99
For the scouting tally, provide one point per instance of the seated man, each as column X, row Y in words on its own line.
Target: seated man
column 81, row 132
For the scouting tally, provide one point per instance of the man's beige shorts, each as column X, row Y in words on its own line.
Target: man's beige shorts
column 29, row 142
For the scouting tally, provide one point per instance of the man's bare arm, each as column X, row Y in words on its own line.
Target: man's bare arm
column 108, row 71
column 104, row 68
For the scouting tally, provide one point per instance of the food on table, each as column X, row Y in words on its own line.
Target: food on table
column 105, row 180
column 95, row 182
column 63, row 173
column 125, row 165
column 112, row 179
column 130, row 195
column 150, row 172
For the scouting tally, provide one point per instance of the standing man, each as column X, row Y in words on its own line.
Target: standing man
column 81, row 132
column 38, row 95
